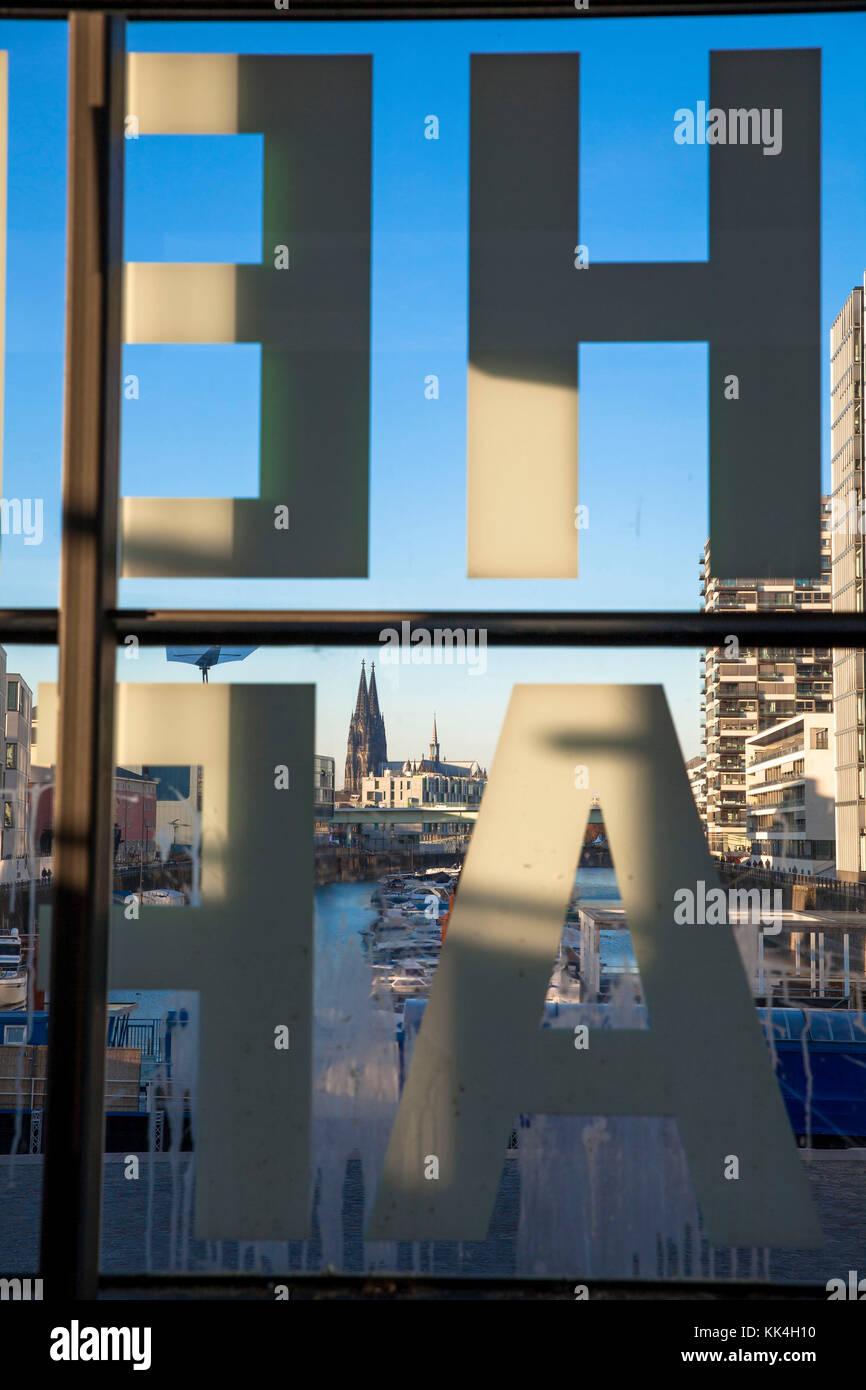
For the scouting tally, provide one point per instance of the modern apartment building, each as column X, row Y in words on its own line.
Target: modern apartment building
column 17, row 742
column 324, row 773
column 849, row 541
column 791, row 793
column 697, row 771
column 396, row 790
column 748, row 690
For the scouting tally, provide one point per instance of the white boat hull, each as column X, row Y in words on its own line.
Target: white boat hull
column 13, row 991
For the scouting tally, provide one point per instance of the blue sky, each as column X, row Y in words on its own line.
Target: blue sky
column 194, row 429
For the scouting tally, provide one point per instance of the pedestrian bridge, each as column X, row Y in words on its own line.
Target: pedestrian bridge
column 402, row 815
column 412, row 815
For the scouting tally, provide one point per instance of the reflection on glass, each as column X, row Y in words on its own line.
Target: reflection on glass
column 394, row 813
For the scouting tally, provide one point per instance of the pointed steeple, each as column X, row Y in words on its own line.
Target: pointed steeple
column 362, row 704
column 378, row 740
column 366, row 749
column 434, row 743
column 375, row 712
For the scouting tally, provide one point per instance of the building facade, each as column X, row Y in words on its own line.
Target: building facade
column 433, row 764
column 428, row 781
column 323, row 797
column 400, row 789
column 849, row 541
column 323, row 786
column 135, row 821
column 17, row 743
column 791, row 793
column 135, row 815
column 41, row 791
column 749, row 690
column 697, row 773
column 367, row 749
column 178, row 797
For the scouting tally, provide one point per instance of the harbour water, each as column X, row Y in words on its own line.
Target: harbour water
column 597, row 1197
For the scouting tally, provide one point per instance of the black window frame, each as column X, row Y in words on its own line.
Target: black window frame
column 88, row 627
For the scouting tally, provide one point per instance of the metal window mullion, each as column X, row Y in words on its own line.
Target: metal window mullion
column 690, row 628
column 75, row 1122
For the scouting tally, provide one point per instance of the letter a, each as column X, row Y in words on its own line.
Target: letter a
column 685, row 126
column 481, row 1058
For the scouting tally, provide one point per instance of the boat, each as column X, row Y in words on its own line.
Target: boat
column 13, row 977
column 406, row 985
column 13, row 990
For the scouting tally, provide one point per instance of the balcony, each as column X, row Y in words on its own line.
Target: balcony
column 769, row 782
column 778, row 808
column 779, row 750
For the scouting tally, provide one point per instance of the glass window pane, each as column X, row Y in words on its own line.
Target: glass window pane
column 470, row 474
column 33, row 87
column 300, row 795
column 26, row 895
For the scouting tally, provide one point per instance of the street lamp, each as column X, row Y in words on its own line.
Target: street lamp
column 145, row 827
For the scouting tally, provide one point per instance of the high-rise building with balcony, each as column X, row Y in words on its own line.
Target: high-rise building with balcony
column 849, row 550
column 748, row 689
column 790, row 794
column 16, row 768
column 697, row 774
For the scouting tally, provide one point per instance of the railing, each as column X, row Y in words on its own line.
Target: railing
column 146, row 1034
column 16, row 1088
column 780, row 749
column 855, row 893
column 774, row 802
column 779, row 777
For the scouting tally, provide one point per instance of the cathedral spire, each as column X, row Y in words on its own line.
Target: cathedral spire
column 434, row 743
column 375, row 712
column 362, row 704
column 366, row 749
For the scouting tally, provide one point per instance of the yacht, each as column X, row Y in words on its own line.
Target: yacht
column 13, row 977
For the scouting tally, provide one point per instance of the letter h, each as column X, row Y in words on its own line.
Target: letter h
column 755, row 301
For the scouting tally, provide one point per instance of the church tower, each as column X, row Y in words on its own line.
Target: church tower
column 378, row 741
column 434, row 746
column 366, row 749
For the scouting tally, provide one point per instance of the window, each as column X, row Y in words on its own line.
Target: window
column 14, row 1033
column 623, row 565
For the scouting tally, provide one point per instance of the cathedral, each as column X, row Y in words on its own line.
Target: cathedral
column 367, row 751
column 436, row 764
